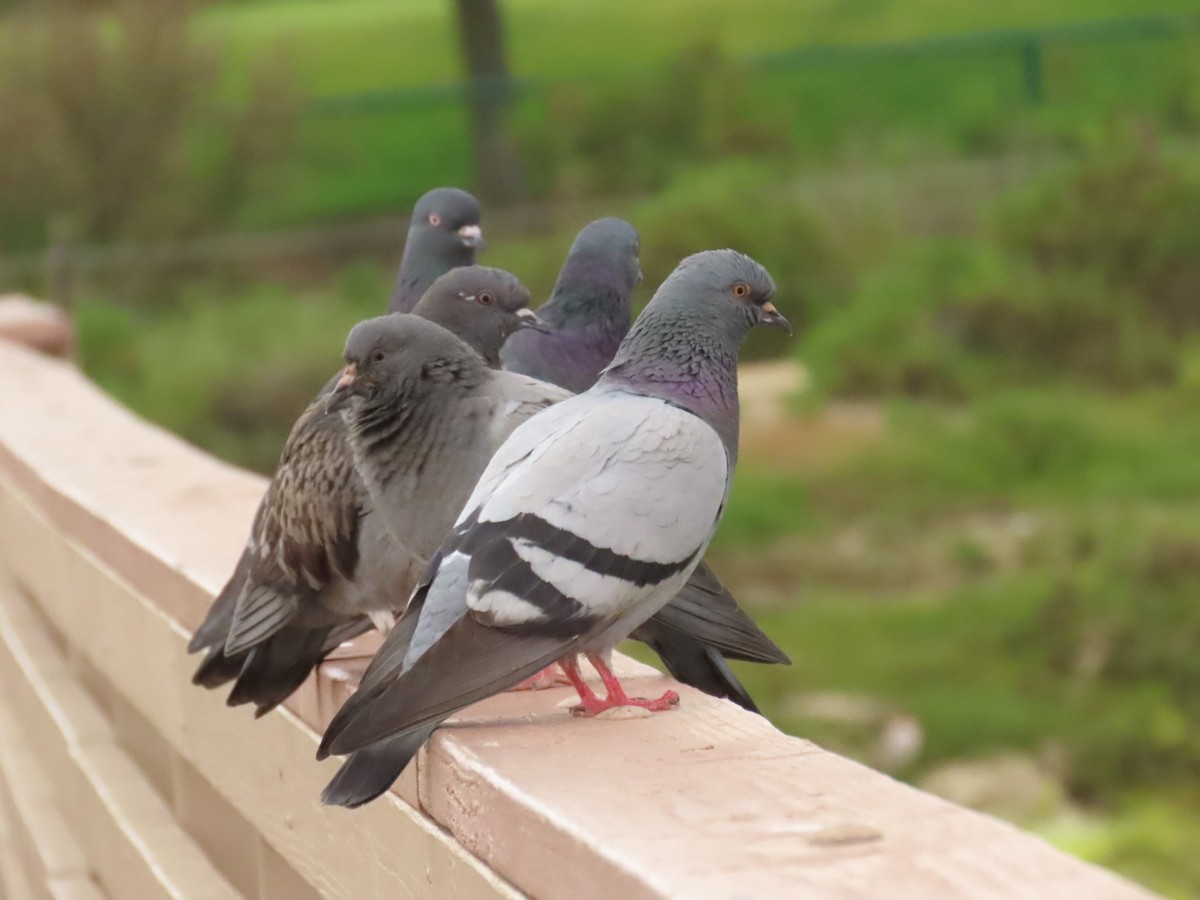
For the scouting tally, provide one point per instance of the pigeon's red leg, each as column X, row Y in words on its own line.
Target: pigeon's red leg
column 547, row 678
column 592, row 705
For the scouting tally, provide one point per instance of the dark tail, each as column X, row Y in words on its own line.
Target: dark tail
column 217, row 669
column 369, row 772
column 706, row 611
column 215, row 628
column 694, row 663
column 276, row 667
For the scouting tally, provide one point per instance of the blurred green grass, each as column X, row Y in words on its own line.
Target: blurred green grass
column 613, row 75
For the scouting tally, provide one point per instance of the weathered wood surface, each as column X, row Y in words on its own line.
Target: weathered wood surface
column 114, row 536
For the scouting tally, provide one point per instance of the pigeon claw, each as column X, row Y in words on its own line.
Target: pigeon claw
column 586, row 709
column 591, row 705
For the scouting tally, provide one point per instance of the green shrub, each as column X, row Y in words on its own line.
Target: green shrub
column 1089, row 276
column 1129, row 214
column 230, row 375
column 113, row 122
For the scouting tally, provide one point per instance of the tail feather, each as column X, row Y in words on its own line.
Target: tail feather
column 694, row 663
column 276, row 667
column 705, row 610
column 369, row 772
column 217, row 669
column 215, row 628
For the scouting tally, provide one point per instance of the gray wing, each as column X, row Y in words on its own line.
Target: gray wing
column 516, row 398
column 307, row 531
column 588, row 507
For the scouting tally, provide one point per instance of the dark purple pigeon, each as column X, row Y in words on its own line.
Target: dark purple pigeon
column 588, row 313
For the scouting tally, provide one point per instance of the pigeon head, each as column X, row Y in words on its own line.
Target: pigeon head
column 727, row 288
column 395, row 358
column 684, row 346
column 442, row 235
column 480, row 305
column 709, row 304
column 597, row 280
column 447, row 217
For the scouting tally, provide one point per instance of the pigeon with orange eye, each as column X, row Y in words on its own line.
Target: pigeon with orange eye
column 443, row 234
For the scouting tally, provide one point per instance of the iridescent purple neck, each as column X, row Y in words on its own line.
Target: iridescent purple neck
column 707, row 391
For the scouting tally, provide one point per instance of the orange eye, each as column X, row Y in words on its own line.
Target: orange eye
column 486, row 299
column 435, row 220
column 741, row 289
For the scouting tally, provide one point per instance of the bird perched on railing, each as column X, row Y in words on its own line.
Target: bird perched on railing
column 588, row 313
column 443, row 234
column 584, row 321
column 587, row 521
column 320, row 557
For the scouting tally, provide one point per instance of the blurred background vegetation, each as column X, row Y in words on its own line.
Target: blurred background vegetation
column 976, row 527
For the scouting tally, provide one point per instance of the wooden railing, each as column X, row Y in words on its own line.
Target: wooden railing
column 120, row 779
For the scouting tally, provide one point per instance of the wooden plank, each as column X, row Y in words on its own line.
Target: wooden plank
column 130, row 838
column 40, row 842
column 74, row 889
column 134, row 842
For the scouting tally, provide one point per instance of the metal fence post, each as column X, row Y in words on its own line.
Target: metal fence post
column 1033, row 69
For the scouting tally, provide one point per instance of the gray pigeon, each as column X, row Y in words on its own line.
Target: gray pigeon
column 588, row 313
column 443, row 234
column 585, row 320
column 318, row 556
column 418, row 458
column 587, row 521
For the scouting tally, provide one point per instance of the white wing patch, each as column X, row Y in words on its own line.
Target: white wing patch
column 629, row 473
column 501, row 609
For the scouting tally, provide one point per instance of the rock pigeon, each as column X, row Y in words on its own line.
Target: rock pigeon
column 424, row 415
column 588, row 313
column 318, row 556
column 588, row 520
column 585, row 320
column 443, row 234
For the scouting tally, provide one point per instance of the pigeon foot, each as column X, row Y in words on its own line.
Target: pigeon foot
column 547, row 678
column 591, row 705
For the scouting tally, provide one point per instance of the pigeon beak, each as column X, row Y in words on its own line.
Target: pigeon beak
column 343, row 388
column 769, row 315
column 530, row 320
column 347, row 378
column 472, row 236
column 641, row 276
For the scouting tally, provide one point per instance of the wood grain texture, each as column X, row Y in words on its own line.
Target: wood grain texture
column 121, row 534
column 132, row 844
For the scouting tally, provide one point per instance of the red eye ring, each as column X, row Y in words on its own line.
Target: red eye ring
column 485, row 298
column 435, row 220
column 741, row 290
